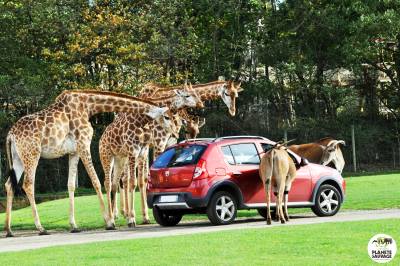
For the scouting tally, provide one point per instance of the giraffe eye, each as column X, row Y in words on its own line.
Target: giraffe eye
column 226, row 94
column 166, row 118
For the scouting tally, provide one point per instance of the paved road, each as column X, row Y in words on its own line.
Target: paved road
column 25, row 241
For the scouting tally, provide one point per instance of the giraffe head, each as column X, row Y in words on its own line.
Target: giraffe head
column 187, row 97
column 193, row 127
column 164, row 117
column 229, row 93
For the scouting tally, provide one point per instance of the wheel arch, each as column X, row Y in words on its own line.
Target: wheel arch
column 228, row 186
column 328, row 180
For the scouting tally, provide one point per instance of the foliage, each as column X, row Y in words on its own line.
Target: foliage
column 311, row 68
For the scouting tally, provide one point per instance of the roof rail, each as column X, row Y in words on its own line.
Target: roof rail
column 240, row 137
column 198, row 139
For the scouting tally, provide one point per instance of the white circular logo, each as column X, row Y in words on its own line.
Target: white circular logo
column 382, row 248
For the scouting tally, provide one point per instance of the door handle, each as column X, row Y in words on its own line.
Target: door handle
column 236, row 173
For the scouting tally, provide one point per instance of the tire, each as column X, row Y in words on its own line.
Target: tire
column 222, row 208
column 166, row 219
column 263, row 213
column 327, row 201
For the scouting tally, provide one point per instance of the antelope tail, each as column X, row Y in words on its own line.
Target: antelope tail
column 267, row 167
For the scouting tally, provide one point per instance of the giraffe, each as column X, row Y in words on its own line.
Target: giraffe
column 192, row 124
column 226, row 90
column 122, row 150
column 64, row 128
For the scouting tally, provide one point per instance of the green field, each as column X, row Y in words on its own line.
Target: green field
column 363, row 192
column 319, row 244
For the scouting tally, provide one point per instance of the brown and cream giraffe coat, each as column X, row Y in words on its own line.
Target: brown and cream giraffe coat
column 60, row 129
column 122, row 150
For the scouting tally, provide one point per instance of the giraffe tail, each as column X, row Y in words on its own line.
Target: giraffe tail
column 10, row 173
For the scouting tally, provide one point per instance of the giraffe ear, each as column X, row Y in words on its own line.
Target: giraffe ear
column 202, row 121
column 156, row 112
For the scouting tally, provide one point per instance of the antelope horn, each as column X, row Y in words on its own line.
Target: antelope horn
column 333, row 143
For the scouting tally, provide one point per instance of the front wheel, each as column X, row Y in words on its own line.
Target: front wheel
column 327, row 202
column 165, row 218
column 222, row 208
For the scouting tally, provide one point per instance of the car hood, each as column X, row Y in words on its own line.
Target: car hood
column 318, row 171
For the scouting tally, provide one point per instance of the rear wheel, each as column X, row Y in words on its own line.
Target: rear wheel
column 222, row 208
column 166, row 218
column 327, row 202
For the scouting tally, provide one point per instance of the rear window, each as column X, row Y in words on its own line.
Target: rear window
column 180, row 156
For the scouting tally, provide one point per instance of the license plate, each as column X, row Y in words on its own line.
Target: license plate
column 169, row 198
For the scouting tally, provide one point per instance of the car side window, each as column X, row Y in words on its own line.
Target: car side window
column 245, row 153
column 228, row 154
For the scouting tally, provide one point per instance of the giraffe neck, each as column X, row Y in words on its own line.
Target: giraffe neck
column 94, row 102
column 206, row 91
column 210, row 91
column 165, row 99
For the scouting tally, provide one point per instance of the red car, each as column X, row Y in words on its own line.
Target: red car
column 219, row 176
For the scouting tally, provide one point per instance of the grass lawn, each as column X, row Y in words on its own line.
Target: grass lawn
column 363, row 192
column 319, row 244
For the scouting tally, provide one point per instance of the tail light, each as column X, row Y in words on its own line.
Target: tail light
column 200, row 171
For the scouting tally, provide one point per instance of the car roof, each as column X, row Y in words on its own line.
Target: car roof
column 227, row 139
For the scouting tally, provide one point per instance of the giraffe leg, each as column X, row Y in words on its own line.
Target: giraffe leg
column 114, row 191
column 122, row 192
column 10, row 196
column 122, row 187
column 73, row 168
column 142, row 176
column 118, row 167
column 130, row 195
column 86, row 158
column 107, row 161
column 29, row 188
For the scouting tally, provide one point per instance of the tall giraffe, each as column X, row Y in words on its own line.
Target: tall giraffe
column 120, row 149
column 64, row 128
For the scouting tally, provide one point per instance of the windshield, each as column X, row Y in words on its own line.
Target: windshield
column 179, row 156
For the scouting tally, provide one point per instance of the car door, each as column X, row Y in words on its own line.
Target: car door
column 301, row 186
column 243, row 160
